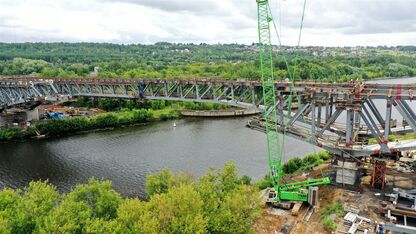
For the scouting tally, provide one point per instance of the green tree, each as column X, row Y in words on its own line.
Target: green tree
column 238, row 211
column 99, row 196
column 12, row 212
column 5, row 227
column 180, row 210
column 218, row 189
column 217, row 203
column 99, row 226
column 39, row 199
column 161, row 182
column 134, row 217
column 70, row 217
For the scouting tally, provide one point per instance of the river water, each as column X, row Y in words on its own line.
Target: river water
column 126, row 155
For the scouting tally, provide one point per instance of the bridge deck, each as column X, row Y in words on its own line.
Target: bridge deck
column 314, row 120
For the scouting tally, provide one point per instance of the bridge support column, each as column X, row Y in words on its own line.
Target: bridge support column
column 357, row 120
column 313, row 123
column 379, row 174
column 347, row 172
column 331, row 106
column 388, row 121
column 318, row 121
column 350, row 128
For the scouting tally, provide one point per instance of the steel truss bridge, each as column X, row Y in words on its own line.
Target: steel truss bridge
column 333, row 116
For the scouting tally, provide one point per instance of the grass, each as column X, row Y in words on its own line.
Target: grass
column 329, row 224
column 401, row 137
column 327, row 211
column 165, row 114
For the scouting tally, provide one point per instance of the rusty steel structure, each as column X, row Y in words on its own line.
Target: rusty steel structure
column 378, row 176
column 333, row 116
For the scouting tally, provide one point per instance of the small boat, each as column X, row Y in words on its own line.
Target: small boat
column 38, row 136
column 174, row 124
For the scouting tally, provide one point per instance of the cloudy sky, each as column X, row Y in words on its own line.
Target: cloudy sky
column 327, row 22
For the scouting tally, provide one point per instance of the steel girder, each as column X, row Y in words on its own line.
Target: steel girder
column 14, row 92
column 315, row 119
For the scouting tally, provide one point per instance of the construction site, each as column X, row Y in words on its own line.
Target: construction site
column 368, row 129
column 372, row 165
column 350, row 203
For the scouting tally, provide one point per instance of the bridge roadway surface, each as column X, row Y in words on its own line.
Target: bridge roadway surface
column 315, row 120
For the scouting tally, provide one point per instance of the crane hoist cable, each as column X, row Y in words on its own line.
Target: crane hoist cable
column 292, row 75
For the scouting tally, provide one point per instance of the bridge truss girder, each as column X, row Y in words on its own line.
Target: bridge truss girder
column 320, row 106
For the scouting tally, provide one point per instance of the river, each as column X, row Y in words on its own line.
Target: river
column 126, row 155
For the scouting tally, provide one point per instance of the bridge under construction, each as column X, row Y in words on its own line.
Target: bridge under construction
column 333, row 116
column 338, row 117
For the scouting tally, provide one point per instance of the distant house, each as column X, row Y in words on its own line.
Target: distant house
column 186, row 51
column 96, row 71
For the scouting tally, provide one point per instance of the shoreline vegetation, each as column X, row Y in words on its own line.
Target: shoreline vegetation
column 223, row 61
column 121, row 113
column 217, row 202
column 295, row 165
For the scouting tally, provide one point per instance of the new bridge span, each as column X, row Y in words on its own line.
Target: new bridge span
column 339, row 117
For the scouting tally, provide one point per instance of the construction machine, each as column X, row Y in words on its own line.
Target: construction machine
column 280, row 193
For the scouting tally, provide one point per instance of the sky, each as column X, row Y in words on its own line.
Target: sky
column 326, row 23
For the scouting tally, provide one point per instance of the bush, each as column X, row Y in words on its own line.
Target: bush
column 296, row 164
column 203, row 106
column 105, row 120
column 158, row 104
column 311, row 160
column 266, row 182
column 327, row 211
column 167, row 114
column 289, row 167
column 11, row 134
column 57, row 127
column 329, row 224
column 245, row 180
column 324, row 155
column 297, row 161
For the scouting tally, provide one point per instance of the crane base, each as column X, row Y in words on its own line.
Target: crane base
column 287, row 205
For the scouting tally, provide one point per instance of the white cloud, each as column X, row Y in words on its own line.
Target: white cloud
column 328, row 23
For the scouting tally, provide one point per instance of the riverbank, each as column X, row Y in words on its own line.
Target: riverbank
column 76, row 125
column 121, row 113
column 218, row 113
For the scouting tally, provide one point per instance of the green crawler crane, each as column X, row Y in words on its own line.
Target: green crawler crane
column 282, row 192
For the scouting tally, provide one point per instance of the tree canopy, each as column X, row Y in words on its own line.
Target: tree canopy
column 218, row 202
column 226, row 61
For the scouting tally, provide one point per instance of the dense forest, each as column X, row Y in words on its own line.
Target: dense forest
column 228, row 61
